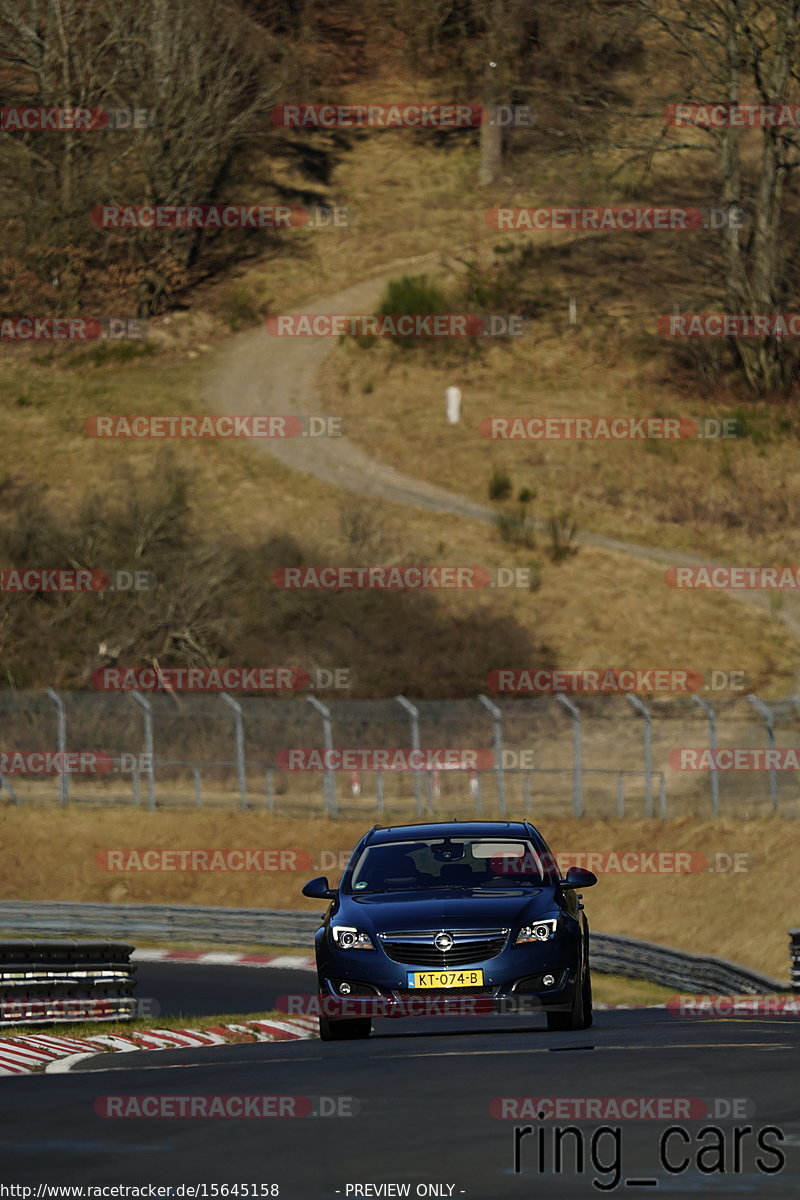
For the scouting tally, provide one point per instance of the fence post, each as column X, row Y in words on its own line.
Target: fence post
column 63, row 776
column 198, row 787
column 478, row 794
column 241, row 765
column 769, row 722
column 329, row 779
column 497, row 716
column 648, row 751
column 413, row 716
column 428, row 792
column 577, row 755
column 620, row 794
column 794, row 946
column 712, row 745
column 270, row 786
column 5, row 784
column 147, row 710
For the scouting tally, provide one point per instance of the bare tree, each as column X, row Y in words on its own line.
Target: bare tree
column 205, row 72
column 54, row 54
column 735, row 52
column 209, row 77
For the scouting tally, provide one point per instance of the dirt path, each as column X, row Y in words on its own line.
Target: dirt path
column 265, row 374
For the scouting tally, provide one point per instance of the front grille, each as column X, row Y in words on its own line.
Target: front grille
column 417, row 948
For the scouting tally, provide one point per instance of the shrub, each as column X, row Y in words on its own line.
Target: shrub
column 499, row 484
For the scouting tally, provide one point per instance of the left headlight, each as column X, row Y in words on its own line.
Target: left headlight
column 347, row 937
column 538, row 931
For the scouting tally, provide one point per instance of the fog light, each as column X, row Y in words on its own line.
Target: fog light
column 548, row 980
column 344, row 989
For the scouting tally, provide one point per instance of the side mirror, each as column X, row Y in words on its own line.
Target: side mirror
column 578, row 878
column 318, row 889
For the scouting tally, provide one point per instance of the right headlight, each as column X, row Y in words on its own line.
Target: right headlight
column 347, row 937
column 537, row 931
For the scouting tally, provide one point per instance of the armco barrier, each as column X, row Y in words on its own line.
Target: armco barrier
column 43, row 982
column 610, row 954
column 613, row 955
column 161, row 922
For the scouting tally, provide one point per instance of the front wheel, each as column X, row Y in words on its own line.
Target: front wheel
column 580, row 1015
column 339, row 1031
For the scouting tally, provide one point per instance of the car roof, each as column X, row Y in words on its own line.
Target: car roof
column 403, row 833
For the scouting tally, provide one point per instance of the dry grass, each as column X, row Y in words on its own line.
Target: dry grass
column 53, row 856
column 632, row 616
column 410, row 198
column 738, row 500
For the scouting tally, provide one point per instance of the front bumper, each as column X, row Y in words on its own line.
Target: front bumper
column 513, row 982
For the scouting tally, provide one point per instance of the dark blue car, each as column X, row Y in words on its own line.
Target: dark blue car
column 473, row 910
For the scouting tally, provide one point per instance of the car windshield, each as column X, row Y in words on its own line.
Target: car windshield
column 448, row 862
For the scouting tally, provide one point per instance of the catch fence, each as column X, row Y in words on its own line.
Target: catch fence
column 536, row 757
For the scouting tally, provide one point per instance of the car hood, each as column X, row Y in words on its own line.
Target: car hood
column 454, row 909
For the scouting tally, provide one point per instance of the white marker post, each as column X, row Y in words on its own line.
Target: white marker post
column 453, row 404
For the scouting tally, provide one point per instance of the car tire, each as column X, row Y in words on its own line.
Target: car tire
column 580, row 1015
column 340, row 1031
column 588, row 1007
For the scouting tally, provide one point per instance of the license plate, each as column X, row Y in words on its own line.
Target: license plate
column 445, row 979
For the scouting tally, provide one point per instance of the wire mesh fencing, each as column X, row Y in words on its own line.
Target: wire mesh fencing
column 402, row 758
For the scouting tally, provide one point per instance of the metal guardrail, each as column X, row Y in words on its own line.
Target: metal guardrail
column 615, row 955
column 610, row 954
column 47, row 982
column 161, row 922
column 794, row 947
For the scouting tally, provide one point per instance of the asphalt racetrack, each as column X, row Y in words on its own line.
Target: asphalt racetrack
column 175, row 989
column 428, row 1104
